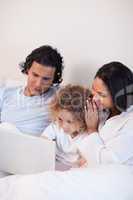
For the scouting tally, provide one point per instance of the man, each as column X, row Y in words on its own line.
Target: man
column 27, row 107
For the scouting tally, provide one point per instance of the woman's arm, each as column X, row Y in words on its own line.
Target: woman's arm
column 119, row 149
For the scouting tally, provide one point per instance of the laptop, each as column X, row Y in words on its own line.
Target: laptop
column 24, row 154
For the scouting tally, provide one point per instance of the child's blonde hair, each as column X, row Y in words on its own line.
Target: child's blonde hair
column 71, row 98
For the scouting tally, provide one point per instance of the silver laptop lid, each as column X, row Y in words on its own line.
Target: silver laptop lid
column 24, row 154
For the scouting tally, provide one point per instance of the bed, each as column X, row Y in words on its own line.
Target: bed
column 111, row 182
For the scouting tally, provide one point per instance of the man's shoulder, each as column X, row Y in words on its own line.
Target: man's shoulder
column 54, row 89
column 7, row 90
column 49, row 94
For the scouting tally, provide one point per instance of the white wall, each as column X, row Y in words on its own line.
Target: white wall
column 88, row 33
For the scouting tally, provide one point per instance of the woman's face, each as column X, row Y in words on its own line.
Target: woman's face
column 101, row 94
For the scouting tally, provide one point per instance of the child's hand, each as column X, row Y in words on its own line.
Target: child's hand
column 82, row 162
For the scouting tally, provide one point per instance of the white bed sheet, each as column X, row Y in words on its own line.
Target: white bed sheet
column 112, row 182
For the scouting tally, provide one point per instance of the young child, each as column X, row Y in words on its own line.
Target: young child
column 68, row 128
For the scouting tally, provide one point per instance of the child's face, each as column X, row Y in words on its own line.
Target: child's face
column 67, row 122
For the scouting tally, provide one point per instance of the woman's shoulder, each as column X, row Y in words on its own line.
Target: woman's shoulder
column 127, row 118
column 128, row 114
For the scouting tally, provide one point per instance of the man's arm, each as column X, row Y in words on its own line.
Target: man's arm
column 2, row 89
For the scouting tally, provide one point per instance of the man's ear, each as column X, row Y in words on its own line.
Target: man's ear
column 27, row 71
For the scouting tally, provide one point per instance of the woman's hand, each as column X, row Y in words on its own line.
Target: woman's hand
column 91, row 116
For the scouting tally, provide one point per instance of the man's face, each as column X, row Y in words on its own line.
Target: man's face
column 40, row 78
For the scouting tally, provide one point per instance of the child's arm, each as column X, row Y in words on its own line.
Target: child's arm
column 81, row 162
column 44, row 137
column 49, row 132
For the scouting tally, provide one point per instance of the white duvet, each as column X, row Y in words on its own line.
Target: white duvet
column 111, row 182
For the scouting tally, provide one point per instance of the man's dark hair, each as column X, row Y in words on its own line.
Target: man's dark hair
column 47, row 56
column 119, row 80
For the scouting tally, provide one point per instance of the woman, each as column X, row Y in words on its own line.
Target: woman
column 112, row 91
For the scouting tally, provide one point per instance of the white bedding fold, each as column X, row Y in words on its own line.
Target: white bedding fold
column 112, row 182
